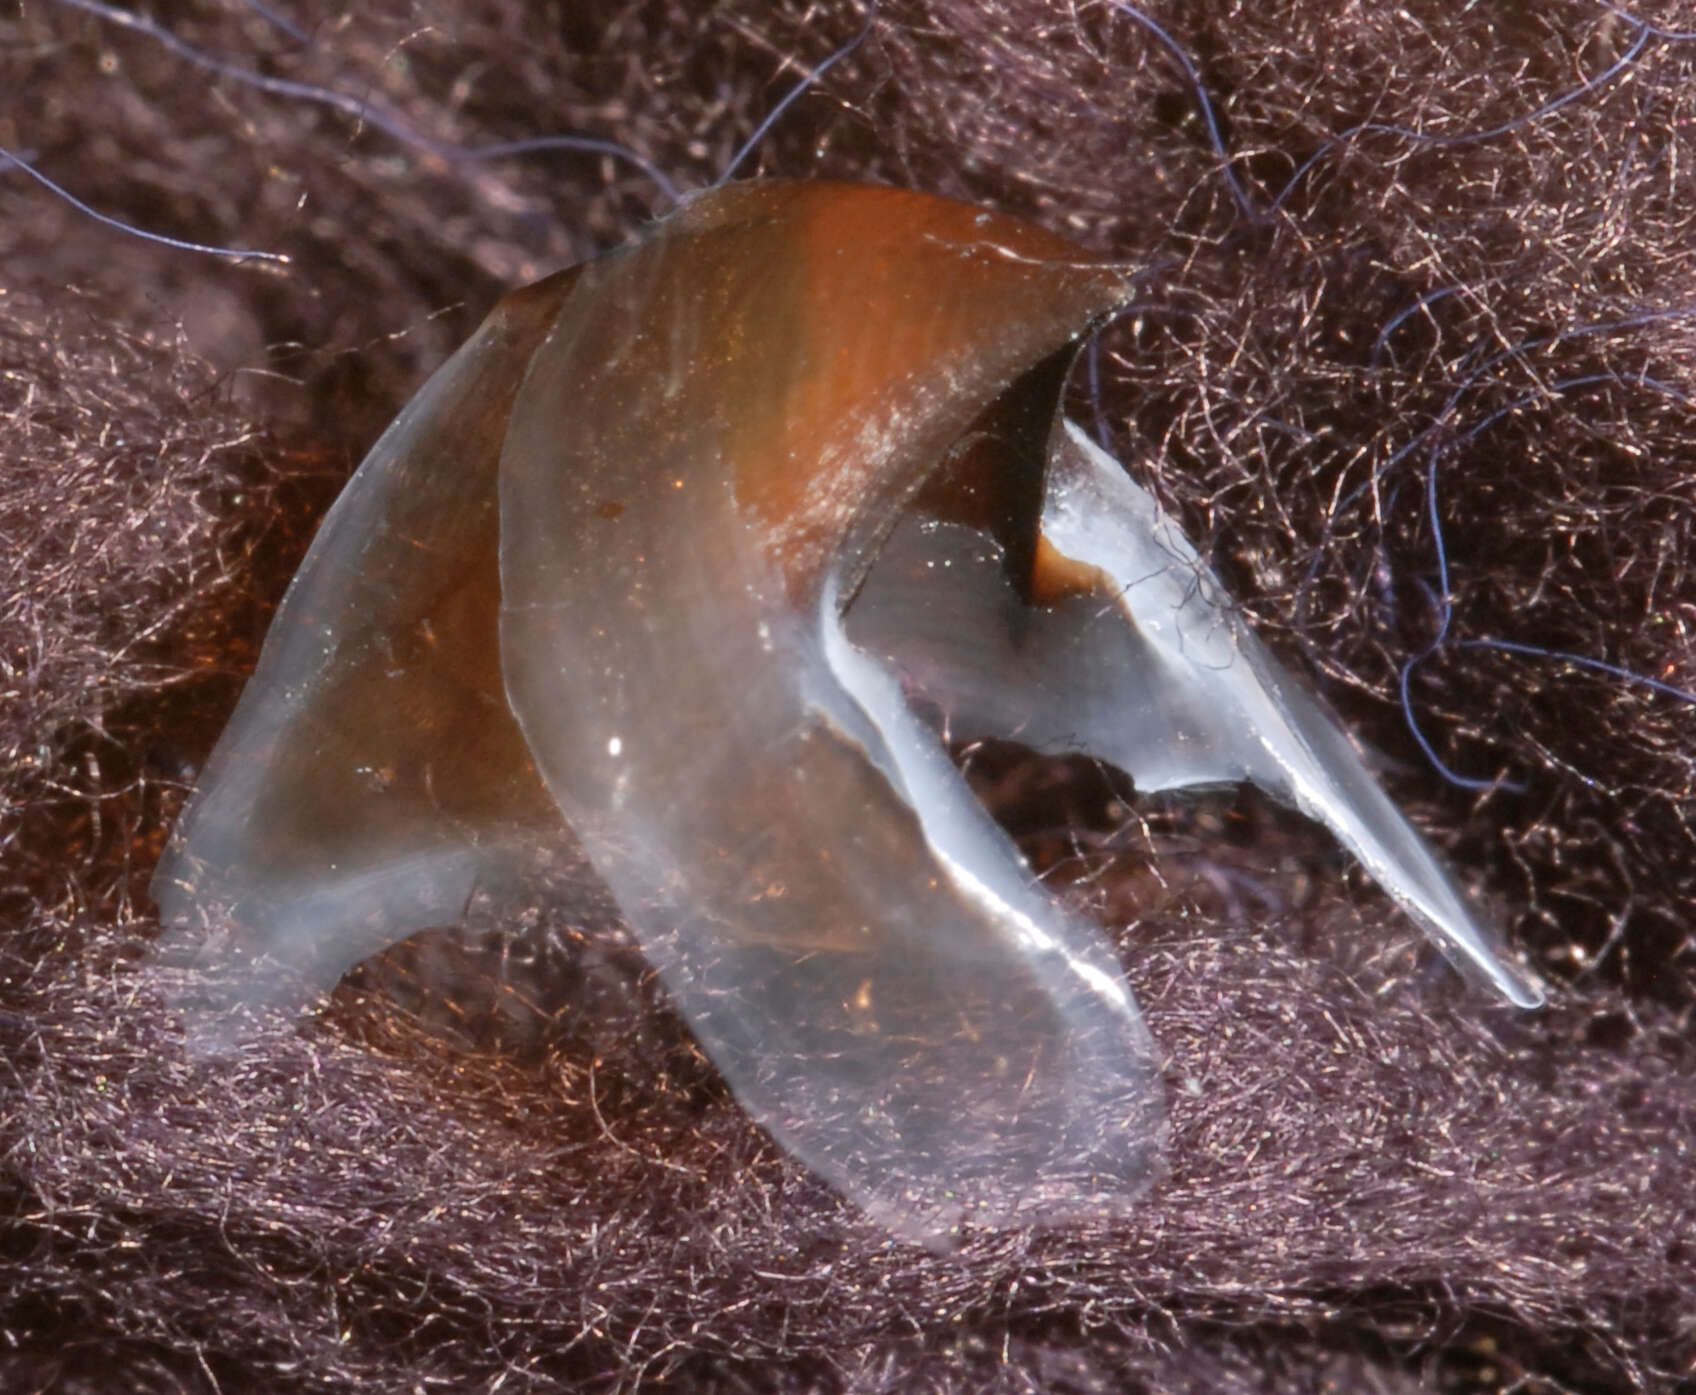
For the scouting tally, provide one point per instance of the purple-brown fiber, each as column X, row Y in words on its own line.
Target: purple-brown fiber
column 499, row 1159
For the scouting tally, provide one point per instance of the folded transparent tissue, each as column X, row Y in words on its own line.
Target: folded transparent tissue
column 673, row 565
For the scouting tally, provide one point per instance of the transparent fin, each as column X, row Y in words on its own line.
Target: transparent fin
column 371, row 773
column 1148, row 668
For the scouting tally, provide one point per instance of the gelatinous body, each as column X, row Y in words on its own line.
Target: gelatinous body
column 649, row 568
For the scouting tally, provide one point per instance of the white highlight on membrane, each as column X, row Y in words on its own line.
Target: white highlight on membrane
column 971, row 848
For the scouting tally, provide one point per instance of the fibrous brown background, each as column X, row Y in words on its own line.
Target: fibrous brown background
column 1437, row 314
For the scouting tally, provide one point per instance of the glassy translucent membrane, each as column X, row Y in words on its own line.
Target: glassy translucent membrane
column 1139, row 660
column 648, row 572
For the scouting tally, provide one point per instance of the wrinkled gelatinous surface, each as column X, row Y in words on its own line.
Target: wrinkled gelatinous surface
column 617, row 581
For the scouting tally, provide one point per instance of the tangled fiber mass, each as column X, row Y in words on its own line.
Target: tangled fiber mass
column 1414, row 365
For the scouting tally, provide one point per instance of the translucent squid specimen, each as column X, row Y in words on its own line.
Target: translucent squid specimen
column 654, row 568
